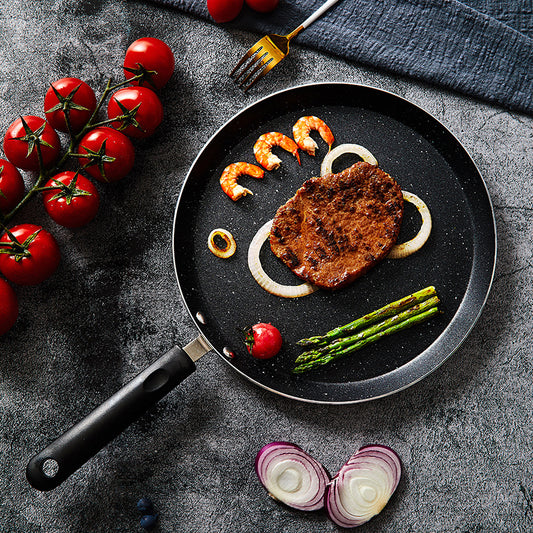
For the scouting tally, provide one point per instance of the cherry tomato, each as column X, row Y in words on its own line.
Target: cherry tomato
column 28, row 254
column 263, row 341
column 224, row 10
column 110, row 154
column 25, row 137
column 263, row 6
column 11, row 186
column 72, row 97
column 73, row 201
column 153, row 59
column 9, row 307
column 142, row 107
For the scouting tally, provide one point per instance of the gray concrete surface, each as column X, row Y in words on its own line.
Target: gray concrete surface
column 464, row 433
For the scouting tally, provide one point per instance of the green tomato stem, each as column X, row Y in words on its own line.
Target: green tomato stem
column 44, row 174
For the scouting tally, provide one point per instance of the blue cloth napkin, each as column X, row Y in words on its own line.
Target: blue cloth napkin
column 482, row 48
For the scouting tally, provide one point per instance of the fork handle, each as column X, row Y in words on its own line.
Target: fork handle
column 319, row 12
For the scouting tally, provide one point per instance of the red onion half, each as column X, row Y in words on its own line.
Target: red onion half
column 292, row 476
column 363, row 486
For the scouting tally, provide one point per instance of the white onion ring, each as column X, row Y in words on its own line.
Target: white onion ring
column 361, row 151
column 363, row 486
column 227, row 237
column 292, row 476
column 267, row 283
column 399, row 251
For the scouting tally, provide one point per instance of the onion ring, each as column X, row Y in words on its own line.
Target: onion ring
column 292, row 476
column 363, row 486
column 264, row 281
column 227, row 237
column 357, row 149
column 399, row 251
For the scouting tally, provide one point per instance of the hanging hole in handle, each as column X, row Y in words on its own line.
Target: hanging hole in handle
column 50, row 468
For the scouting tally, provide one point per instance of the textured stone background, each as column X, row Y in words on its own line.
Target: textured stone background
column 464, row 433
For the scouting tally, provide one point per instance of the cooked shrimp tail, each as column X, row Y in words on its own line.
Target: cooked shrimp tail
column 265, row 143
column 302, row 129
column 230, row 175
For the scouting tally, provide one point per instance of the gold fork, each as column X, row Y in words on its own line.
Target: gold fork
column 266, row 53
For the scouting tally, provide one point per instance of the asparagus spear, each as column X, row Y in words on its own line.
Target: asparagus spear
column 344, row 342
column 371, row 318
column 329, row 356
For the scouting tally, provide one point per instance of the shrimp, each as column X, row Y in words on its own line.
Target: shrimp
column 230, row 175
column 263, row 149
column 303, row 127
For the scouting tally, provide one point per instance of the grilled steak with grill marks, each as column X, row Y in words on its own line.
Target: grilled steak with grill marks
column 336, row 227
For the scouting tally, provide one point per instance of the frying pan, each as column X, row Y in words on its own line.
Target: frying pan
column 223, row 298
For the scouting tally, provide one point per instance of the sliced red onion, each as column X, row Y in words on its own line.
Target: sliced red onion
column 363, row 486
column 292, row 476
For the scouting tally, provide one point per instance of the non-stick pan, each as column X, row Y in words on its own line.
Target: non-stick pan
column 223, row 299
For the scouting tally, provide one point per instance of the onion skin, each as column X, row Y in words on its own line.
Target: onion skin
column 269, row 464
column 367, row 480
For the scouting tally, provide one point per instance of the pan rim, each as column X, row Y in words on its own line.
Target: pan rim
column 433, row 365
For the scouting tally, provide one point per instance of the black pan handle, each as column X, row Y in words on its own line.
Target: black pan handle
column 64, row 456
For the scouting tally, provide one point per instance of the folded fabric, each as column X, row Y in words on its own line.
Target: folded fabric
column 440, row 41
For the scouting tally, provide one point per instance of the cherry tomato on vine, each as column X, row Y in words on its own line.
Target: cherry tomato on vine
column 69, row 97
column 28, row 254
column 263, row 6
column 9, row 307
column 263, row 341
column 109, row 154
column 224, row 10
column 153, row 59
column 72, row 201
column 141, row 108
column 11, row 186
column 25, row 137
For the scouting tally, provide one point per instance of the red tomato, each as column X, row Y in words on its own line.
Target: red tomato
column 153, row 59
column 25, row 137
column 224, row 10
column 263, row 341
column 263, row 6
column 9, row 307
column 11, row 186
column 28, row 254
column 110, row 154
column 69, row 97
column 141, row 108
column 73, row 201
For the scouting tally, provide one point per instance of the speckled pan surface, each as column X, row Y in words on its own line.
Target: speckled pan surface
column 424, row 157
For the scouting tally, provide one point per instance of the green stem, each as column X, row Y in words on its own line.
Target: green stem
column 371, row 318
column 74, row 141
column 368, row 332
column 327, row 358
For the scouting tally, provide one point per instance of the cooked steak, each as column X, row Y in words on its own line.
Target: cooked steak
column 336, row 227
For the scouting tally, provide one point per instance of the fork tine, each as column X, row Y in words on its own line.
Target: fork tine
column 254, row 63
column 265, row 60
column 268, row 66
column 253, row 50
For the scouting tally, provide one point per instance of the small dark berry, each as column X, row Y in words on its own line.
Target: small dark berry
column 145, row 505
column 148, row 521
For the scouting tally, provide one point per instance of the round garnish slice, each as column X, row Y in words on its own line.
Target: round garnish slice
column 292, row 476
column 363, row 486
column 221, row 243
column 361, row 151
column 399, row 251
column 267, row 283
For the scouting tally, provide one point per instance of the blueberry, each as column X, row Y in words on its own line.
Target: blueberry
column 145, row 505
column 148, row 521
